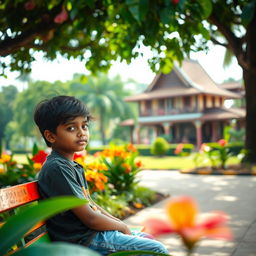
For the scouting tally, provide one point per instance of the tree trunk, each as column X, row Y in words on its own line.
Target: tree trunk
column 102, row 128
column 250, row 120
column 249, row 76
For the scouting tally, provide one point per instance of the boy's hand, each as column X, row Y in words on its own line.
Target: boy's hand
column 126, row 230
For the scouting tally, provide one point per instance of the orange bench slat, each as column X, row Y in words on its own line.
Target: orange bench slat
column 18, row 195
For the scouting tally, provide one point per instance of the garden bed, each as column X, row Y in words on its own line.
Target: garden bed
column 131, row 209
column 229, row 170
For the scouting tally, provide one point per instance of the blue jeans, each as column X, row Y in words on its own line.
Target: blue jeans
column 106, row 242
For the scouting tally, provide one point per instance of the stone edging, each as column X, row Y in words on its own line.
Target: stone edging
column 219, row 172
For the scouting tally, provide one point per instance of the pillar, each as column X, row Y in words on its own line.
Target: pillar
column 137, row 135
column 214, row 131
column 198, row 125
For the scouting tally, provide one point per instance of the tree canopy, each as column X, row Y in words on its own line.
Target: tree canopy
column 99, row 32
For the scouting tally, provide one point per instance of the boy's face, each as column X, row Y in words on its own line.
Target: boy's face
column 71, row 137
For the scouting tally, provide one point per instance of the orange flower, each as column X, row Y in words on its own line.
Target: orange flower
column 106, row 153
column 222, row 142
column 97, row 154
column 138, row 205
column 96, row 180
column 131, row 148
column 127, row 167
column 102, row 167
column 179, row 149
column 2, row 170
column 184, row 219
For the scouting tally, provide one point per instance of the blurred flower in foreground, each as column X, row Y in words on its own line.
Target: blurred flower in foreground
column 184, row 219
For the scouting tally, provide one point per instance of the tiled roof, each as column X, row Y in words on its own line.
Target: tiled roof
column 223, row 113
column 189, row 79
column 209, row 114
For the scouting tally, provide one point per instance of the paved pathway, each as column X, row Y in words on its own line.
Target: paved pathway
column 235, row 195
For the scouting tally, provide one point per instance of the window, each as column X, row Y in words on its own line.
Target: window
column 170, row 105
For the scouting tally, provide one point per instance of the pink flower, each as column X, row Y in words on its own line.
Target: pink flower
column 185, row 220
column 61, row 17
column 222, row 142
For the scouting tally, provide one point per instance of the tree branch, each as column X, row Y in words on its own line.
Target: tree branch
column 11, row 45
column 234, row 43
column 215, row 41
column 64, row 48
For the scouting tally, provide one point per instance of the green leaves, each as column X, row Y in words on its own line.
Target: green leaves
column 17, row 225
column 207, row 8
column 248, row 12
column 56, row 249
column 127, row 253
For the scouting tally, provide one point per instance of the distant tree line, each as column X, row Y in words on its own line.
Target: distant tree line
column 103, row 96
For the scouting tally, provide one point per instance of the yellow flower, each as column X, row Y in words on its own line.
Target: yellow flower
column 37, row 166
column 5, row 158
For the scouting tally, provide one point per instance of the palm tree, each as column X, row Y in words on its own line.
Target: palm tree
column 104, row 98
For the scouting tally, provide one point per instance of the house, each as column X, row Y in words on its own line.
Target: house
column 184, row 106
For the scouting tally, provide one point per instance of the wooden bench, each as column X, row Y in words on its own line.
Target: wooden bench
column 11, row 199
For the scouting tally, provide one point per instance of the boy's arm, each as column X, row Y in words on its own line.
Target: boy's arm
column 99, row 221
column 105, row 212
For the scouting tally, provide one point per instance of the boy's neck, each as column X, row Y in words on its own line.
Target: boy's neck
column 69, row 156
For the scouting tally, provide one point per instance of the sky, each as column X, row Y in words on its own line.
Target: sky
column 138, row 70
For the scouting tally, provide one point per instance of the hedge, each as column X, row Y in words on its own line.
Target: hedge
column 144, row 150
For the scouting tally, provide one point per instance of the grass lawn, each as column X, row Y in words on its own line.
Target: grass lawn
column 174, row 162
column 20, row 158
column 151, row 162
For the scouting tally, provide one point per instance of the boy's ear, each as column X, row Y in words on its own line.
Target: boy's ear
column 50, row 136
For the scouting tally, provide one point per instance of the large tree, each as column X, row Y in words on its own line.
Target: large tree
column 105, row 30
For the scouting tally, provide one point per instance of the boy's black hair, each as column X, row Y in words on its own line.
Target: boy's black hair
column 58, row 110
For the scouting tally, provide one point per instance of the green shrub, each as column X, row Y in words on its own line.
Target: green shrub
column 159, row 147
column 114, row 204
column 143, row 195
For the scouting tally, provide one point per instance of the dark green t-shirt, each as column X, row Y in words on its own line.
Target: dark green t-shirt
column 59, row 177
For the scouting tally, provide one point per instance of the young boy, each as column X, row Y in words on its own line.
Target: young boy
column 63, row 122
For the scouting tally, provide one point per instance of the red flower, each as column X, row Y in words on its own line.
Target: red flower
column 30, row 5
column 222, row 142
column 175, row 1
column 40, row 157
column 79, row 155
column 138, row 164
column 61, row 17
